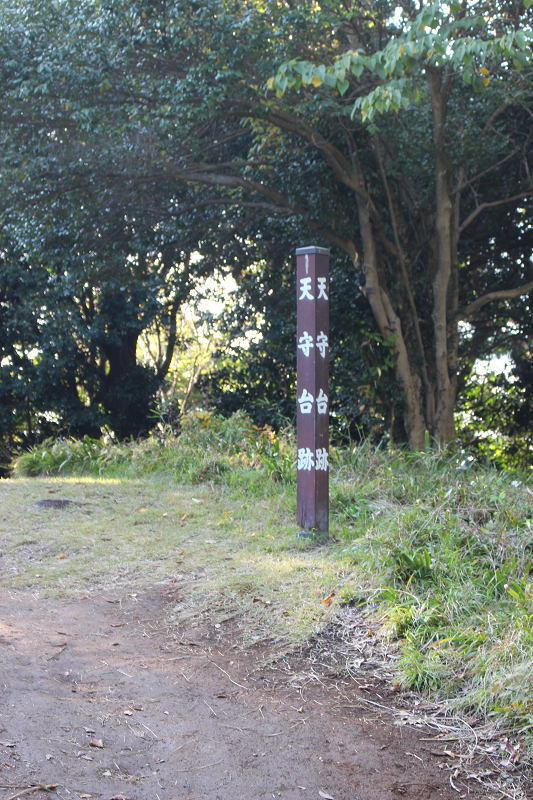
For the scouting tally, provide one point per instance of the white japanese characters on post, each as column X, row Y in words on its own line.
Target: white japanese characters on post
column 312, row 339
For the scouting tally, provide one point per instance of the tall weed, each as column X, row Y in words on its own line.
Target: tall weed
column 207, row 448
column 449, row 546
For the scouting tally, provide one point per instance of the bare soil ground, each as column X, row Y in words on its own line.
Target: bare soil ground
column 102, row 698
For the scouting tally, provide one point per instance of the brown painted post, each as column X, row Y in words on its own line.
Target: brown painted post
column 312, row 340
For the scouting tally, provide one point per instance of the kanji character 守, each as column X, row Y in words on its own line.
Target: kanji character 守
column 322, row 343
column 305, row 343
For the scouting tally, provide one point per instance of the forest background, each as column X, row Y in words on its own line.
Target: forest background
column 159, row 152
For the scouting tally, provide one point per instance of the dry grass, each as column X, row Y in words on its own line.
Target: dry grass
column 232, row 557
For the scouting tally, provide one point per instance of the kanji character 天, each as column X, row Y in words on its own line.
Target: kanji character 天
column 305, row 287
column 322, row 288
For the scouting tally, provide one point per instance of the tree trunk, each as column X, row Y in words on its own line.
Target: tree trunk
column 122, row 357
column 445, row 399
column 389, row 323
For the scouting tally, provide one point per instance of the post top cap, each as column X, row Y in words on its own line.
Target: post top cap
column 322, row 251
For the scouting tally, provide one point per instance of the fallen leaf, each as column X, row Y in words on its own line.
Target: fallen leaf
column 325, row 796
column 141, row 510
column 117, row 624
column 222, row 696
column 118, row 797
column 329, row 599
column 96, row 743
column 89, row 730
column 184, row 517
column 7, row 744
column 85, row 796
column 128, row 713
column 165, row 515
column 62, row 555
column 269, row 536
column 210, row 541
column 195, row 500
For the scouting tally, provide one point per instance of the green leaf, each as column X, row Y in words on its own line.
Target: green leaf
column 342, row 86
column 520, row 39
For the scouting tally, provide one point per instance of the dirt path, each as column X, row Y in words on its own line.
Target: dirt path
column 98, row 700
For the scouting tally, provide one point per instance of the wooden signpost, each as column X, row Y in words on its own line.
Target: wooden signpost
column 312, row 339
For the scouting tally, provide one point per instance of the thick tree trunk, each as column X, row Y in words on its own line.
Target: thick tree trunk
column 122, row 357
column 389, row 323
column 445, row 399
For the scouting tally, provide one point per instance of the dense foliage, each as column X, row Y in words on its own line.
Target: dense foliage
column 145, row 145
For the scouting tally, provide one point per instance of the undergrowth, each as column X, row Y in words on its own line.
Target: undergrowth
column 444, row 543
column 208, row 447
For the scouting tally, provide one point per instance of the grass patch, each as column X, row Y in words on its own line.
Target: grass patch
column 446, row 545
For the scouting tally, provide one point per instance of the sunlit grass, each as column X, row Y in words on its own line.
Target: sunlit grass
column 226, row 551
column 444, row 544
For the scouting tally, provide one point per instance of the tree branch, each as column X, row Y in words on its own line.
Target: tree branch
column 493, row 117
column 237, row 181
column 485, row 171
column 171, row 343
column 480, row 208
column 502, row 294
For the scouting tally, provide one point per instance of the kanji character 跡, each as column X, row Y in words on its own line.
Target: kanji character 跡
column 305, row 287
column 322, row 458
column 322, row 343
column 306, row 459
column 305, row 343
column 306, row 402
column 322, row 402
column 322, row 288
